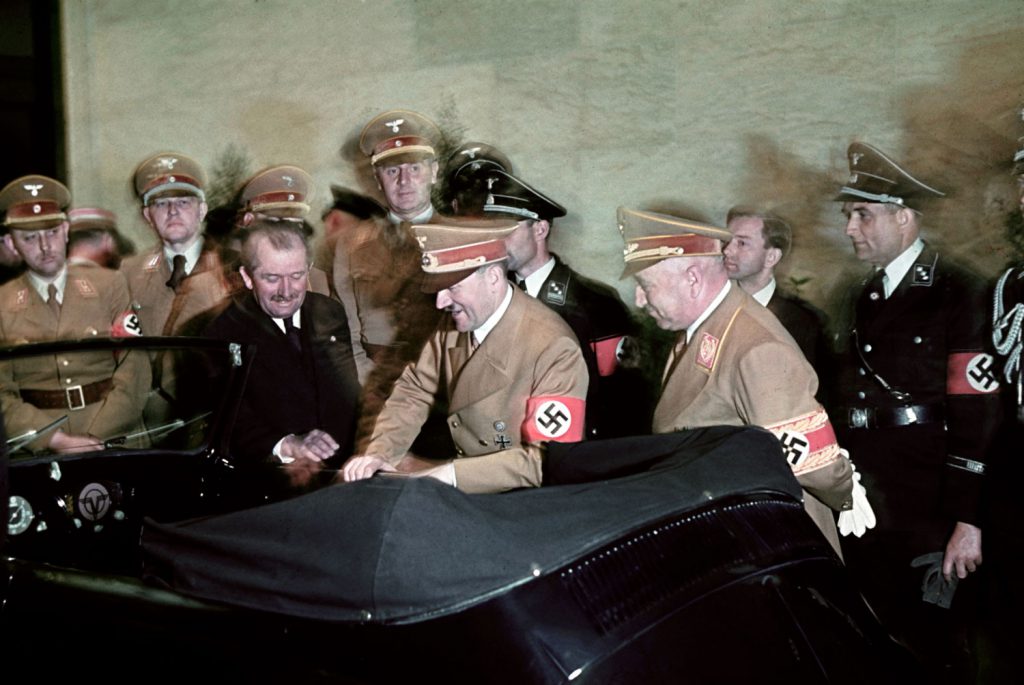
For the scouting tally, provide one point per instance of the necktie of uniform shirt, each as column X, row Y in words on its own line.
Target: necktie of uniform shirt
column 177, row 272
column 677, row 352
column 521, row 282
column 294, row 337
column 52, row 301
column 473, row 342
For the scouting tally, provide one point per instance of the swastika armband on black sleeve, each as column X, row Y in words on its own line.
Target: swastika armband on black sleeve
column 971, row 373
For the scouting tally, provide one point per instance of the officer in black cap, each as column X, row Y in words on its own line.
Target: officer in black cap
column 464, row 173
column 918, row 408
column 617, row 403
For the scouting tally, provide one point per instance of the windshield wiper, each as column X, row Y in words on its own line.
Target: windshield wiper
column 158, row 432
column 17, row 442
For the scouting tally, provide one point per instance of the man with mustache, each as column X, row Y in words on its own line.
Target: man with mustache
column 98, row 392
column 301, row 396
column 510, row 369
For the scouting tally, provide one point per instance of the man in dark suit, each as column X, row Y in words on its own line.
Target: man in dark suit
column 760, row 240
column 300, row 400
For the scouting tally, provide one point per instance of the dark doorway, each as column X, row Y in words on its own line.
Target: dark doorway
column 31, row 96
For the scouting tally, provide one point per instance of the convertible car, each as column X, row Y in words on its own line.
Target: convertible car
column 684, row 558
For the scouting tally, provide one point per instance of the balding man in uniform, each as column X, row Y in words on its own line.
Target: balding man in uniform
column 510, row 369
column 99, row 393
column 617, row 404
column 93, row 238
column 919, row 408
column 734, row 363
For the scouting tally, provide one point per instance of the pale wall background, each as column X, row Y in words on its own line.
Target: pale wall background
column 690, row 106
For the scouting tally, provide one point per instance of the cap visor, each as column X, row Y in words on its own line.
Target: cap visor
column 434, row 283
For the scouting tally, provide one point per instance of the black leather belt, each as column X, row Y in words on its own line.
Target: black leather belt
column 74, row 398
column 893, row 417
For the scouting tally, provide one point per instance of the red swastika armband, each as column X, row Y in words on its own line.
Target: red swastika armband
column 971, row 373
column 607, row 352
column 126, row 325
column 808, row 441
column 554, row 417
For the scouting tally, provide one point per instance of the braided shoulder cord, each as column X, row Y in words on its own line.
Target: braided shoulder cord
column 1006, row 327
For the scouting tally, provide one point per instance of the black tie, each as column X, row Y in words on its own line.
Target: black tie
column 177, row 272
column 521, row 282
column 294, row 337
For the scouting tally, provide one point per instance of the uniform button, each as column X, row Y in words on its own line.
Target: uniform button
column 867, row 348
column 917, row 340
column 483, row 443
column 68, row 381
column 64, row 362
column 862, row 372
column 861, row 395
column 458, row 451
column 455, row 424
column 334, row 339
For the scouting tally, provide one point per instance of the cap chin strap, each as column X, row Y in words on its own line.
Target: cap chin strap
column 883, row 198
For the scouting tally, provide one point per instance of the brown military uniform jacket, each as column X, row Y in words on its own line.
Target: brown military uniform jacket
column 94, row 298
column 496, row 396
column 202, row 294
column 377, row 277
column 742, row 368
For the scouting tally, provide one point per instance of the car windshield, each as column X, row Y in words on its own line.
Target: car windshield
column 68, row 399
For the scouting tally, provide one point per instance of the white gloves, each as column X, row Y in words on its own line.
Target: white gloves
column 861, row 517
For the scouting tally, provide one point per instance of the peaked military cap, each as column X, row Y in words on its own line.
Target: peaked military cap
column 349, row 201
column 874, row 177
column 281, row 191
column 84, row 218
column 502, row 194
column 169, row 173
column 471, row 159
column 399, row 135
column 651, row 237
column 456, row 248
column 32, row 203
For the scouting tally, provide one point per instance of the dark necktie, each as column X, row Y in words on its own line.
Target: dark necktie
column 52, row 301
column 873, row 295
column 177, row 272
column 294, row 337
column 521, row 282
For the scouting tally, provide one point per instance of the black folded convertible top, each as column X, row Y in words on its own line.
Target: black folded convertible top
column 399, row 550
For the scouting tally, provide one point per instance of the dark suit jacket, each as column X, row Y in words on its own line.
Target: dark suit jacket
column 804, row 323
column 287, row 392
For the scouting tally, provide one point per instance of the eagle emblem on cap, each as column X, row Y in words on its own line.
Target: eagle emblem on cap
column 167, row 162
column 471, row 152
column 33, row 188
column 393, row 125
column 855, row 158
column 288, row 180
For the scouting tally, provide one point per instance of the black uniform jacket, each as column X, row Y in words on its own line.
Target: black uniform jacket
column 929, row 342
column 617, row 401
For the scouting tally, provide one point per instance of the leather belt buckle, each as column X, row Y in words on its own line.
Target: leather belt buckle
column 75, row 398
column 859, row 417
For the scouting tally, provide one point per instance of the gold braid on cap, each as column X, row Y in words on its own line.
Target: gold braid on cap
column 662, row 246
column 463, row 257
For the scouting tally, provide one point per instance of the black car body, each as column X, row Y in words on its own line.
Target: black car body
column 681, row 558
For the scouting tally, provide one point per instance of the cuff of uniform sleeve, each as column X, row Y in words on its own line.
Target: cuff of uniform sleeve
column 277, row 451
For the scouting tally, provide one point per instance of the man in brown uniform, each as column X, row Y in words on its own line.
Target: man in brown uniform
column 99, row 394
column 734, row 363
column 380, row 271
column 180, row 285
column 511, row 369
